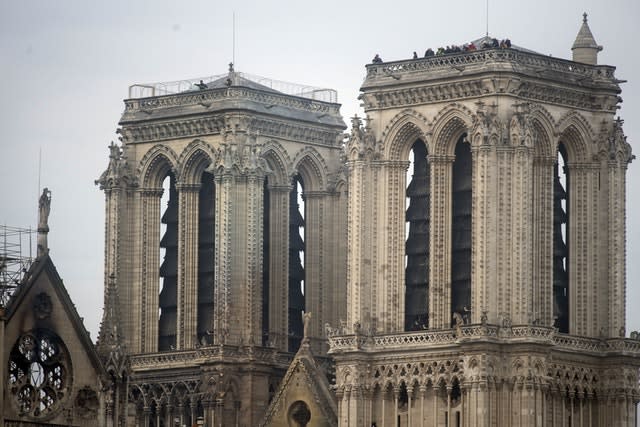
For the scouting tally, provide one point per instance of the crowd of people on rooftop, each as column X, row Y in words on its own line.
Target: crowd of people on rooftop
column 488, row 43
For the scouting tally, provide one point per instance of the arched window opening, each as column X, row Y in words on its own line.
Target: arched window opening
column 403, row 398
column 461, row 230
column 561, row 249
column 206, row 256
column 296, row 264
column 169, row 267
column 266, row 221
column 416, row 315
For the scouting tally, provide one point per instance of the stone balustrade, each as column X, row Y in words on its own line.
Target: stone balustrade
column 198, row 98
column 529, row 61
column 480, row 332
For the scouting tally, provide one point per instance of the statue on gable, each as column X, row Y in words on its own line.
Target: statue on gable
column 44, row 208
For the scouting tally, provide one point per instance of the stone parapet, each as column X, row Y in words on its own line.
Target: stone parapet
column 487, row 61
column 493, row 333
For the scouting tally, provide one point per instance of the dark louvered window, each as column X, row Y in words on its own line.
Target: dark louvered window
column 461, row 231
column 417, row 243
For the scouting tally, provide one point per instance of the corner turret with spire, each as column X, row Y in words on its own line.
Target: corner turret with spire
column 585, row 49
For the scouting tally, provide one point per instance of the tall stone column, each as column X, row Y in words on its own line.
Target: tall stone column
column 578, row 247
column 440, row 244
column 359, row 261
column 336, row 256
column 498, row 238
column 484, row 293
column 224, row 255
column 252, row 274
column 150, row 269
column 390, row 236
column 187, row 316
column 616, row 246
column 542, row 231
column 112, row 235
column 315, row 232
column 521, row 235
column 278, row 265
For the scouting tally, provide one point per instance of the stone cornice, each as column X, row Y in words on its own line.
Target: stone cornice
column 534, row 90
column 207, row 355
column 524, row 334
column 525, row 75
column 198, row 97
column 214, row 124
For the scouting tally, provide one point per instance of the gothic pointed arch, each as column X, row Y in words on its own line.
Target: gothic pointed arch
column 194, row 160
column 277, row 160
column 402, row 131
column 417, row 223
column 576, row 133
column 311, row 167
column 543, row 131
column 340, row 184
column 155, row 165
column 448, row 126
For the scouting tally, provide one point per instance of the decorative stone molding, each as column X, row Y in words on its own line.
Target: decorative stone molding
column 118, row 173
column 362, row 144
column 313, row 168
column 343, row 344
column 217, row 125
column 202, row 98
column 488, row 59
column 155, row 164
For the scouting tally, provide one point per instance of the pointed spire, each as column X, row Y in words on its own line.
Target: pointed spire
column 585, row 49
column 110, row 340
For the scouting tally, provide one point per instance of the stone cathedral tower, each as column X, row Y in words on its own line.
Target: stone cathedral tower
column 223, row 224
column 486, row 258
column 462, row 253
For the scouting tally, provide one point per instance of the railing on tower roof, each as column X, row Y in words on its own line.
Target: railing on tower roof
column 146, row 90
column 527, row 60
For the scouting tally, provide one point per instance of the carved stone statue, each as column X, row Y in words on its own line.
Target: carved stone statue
column 306, row 320
column 44, row 208
column 457, row 318
column 328, row 330
column 459, row 321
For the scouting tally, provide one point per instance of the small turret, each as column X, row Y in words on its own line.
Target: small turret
column 585, row 49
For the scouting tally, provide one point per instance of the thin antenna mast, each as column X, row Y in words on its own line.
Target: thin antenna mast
column 487, row 20
column 233, row 55
column 38, row 192
column 39, row 168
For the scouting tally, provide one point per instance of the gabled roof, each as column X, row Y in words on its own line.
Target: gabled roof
column 303, row 367
column 44, row 266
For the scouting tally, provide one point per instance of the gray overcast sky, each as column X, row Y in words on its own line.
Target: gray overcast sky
column 65, row 68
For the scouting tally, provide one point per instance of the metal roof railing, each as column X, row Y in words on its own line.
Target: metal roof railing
column 147, row 90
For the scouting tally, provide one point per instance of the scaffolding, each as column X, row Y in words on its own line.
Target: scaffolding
column 16, row 255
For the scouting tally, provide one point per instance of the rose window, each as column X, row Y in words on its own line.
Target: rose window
column 38, row 373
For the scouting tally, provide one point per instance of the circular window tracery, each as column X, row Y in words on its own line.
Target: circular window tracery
column 39, row 373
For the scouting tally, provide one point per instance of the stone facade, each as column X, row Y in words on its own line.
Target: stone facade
column 530, row 341
column 234, row 150
column 462, row 251
column 51, row 372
